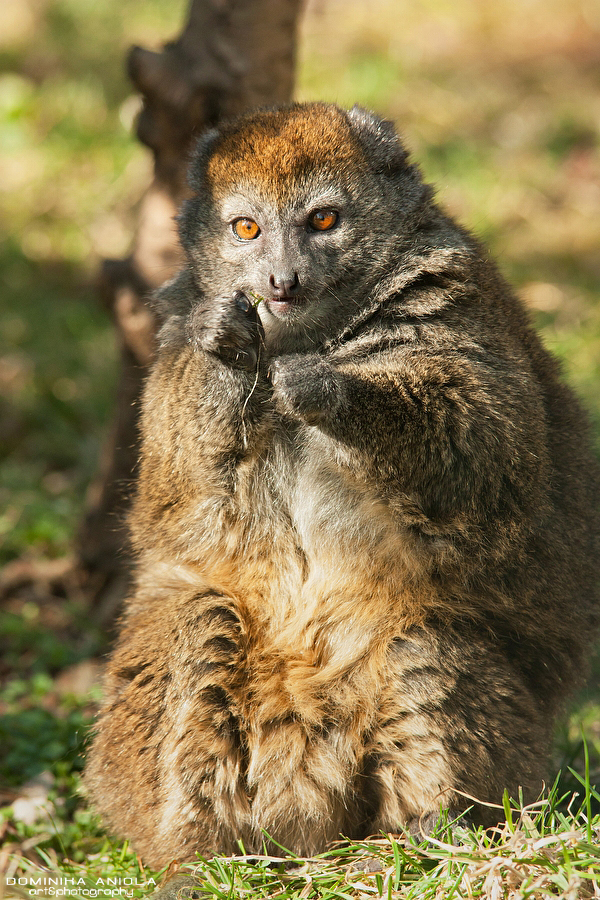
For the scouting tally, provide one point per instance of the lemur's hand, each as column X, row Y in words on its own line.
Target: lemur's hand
column 229, row 328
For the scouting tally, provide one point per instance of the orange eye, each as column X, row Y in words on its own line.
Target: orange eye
column 245, row 229
column 323, row 219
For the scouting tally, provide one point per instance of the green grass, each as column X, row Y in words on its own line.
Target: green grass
column 541, row 851
column 548, row 849
column 499, row 104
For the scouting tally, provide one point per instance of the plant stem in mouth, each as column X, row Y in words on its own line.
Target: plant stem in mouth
column 257, row 299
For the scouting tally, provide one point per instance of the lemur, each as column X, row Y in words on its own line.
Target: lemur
column 366, row 519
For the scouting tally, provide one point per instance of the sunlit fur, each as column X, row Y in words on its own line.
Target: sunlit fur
column 366, row 529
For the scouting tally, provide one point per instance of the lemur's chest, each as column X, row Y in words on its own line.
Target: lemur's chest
column 310, row 536
column 299, row 488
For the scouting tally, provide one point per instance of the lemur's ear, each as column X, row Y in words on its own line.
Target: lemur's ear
column 199, row 156
column 379, row 138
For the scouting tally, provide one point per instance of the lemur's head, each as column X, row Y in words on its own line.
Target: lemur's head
column 299, row 206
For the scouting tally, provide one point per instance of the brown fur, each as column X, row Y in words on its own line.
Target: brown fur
column 366, row 564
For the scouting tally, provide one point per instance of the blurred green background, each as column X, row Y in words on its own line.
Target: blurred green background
column 499, row 101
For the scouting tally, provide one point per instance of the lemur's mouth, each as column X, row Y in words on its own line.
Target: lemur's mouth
column 281, row 306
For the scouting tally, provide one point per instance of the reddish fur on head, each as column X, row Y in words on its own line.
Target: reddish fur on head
column 277, row 149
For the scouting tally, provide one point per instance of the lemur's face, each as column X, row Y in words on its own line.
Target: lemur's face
column 291, row 251
column 294, row 209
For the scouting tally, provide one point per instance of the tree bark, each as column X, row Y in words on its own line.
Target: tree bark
column 231, row 55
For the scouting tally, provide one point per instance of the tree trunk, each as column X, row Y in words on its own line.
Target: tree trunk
column 232, row 55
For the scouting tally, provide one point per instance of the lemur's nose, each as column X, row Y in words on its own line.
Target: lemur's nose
column 284, row 287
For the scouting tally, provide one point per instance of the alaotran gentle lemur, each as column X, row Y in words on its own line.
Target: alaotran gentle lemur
column 366, row 517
